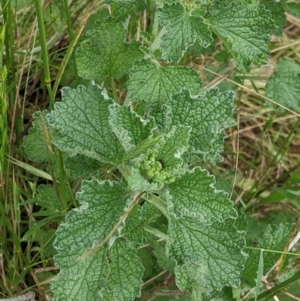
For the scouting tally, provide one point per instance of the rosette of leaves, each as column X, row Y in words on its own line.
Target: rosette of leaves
column 97, row 251
column 152, row 149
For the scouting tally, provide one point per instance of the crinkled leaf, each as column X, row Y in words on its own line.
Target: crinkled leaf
column 194, row 195
column 138, row 218
column 208, row 115
column 274, row 238
column 173, row 145
column 211, row 251
column 125, row 273
column 142, row 147
column 278, row 15
column 37, row 143
column 284, row 84
column 80, row 280
column 80, row 166
column 129, row 127
column 105, row 54
column 244, row 28
column 102, row 205
column 184, row 28
column 154, row 83
column 82, row 121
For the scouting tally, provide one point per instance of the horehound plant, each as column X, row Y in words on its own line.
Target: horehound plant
column 142, row 157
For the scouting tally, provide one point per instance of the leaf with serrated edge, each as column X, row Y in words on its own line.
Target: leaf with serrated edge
column 138, row 218
column 82, row 121
column 193, row 194
column 154, row 83
column 102, row 205
column 124, row 280
column 278, row 15
column 105, row 54
column 274, row 238
column 83, row 167
column 208, row 115
column 184, row 27
column 245, row 30
column 212, row 250
column 175, row 143
column 284, row 84
column 129, row 127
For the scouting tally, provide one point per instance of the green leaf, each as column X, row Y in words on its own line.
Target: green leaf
column 80, row 280
column 204, row 238
column 142, row 147
column 274, row 238
column 102, row 205
column 175, row 143
column 224, row 295
column 82, row 119
column 184, row 27
column 194, row 195
column 244, row 28
column 46, row 197
column 154, row 84
column 37, row 143
column 208, row 115
column 125, row 274
column 105, row 54
column 163, row 261
column 129, row 127
column 278, row 15
column 208, row 256
column 284, row 84
column 293, row 8
column 80, row 166
column 140, row 217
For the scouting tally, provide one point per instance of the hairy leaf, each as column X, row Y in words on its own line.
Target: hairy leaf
column 80, row 166
column 173, row 146
column 278, row 15
column 82, row 121
column 129, row 127
column 138, row 219
column 203, row 238
column 208, row 255
column 284, row 84
column 124, row 280
column 244, row 28
column 102, row 205
column 185, row 26
column 154, row 84
column 193, row 195
column 208, row 115
column 275, row 238
column 105, row 54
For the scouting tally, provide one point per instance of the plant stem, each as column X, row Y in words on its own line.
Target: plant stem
column 158, row 203
column 43, row 42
